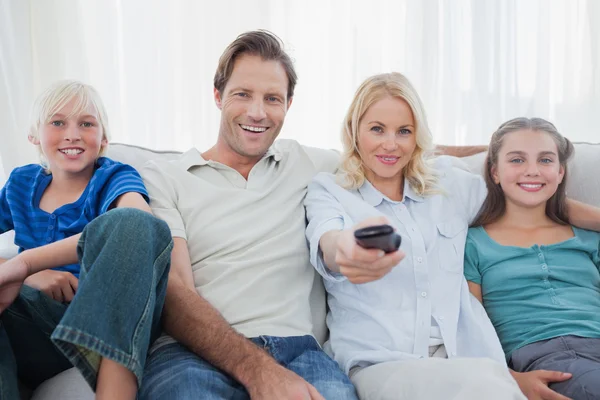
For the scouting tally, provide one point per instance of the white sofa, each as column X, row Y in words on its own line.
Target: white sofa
column 583, row 184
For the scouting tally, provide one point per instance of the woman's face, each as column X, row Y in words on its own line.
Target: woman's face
column 386, row 141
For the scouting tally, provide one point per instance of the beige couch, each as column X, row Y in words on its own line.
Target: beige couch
column 584, row 185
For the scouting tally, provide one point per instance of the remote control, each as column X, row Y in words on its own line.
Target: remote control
column 378, row 237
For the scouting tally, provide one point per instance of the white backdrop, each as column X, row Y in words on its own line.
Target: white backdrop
column 476, row 63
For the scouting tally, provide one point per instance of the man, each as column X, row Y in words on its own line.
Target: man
column 240, row 264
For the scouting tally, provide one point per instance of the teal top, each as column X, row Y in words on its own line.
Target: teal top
column 539, row 292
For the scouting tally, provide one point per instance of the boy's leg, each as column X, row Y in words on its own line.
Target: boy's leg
column 125, row 258
column 174, row 372
column 304, row 356
column 9, row 386
column 27, row 325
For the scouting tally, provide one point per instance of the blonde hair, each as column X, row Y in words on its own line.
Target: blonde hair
column 58, row 95
column 418, row 172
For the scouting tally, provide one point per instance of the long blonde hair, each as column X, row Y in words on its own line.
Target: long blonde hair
column 418, row 172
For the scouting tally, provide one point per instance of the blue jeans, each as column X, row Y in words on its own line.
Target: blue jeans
column 125, row 258
column 175, row 373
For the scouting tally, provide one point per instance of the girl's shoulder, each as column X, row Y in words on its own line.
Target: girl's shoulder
column 586, row 236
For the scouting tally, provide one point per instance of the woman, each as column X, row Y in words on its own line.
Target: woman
column 403, row 324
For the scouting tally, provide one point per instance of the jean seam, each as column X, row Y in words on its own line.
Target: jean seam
column 144, row 317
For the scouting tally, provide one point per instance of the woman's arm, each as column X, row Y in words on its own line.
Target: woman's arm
column 341, row 254
column 583, row 215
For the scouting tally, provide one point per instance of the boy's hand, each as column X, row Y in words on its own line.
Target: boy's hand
column 12, row 274
column 59, row 285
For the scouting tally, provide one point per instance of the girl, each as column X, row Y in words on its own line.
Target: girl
column 94, row 279
column 537, row 275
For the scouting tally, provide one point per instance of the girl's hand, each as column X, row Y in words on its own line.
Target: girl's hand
column 534, row 384
column 59, row 285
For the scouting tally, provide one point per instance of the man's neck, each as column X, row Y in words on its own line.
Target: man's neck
column 242, row 164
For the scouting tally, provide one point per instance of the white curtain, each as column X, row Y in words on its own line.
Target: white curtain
column 475, row 63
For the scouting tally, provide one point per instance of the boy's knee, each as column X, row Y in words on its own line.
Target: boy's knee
column 130, row 223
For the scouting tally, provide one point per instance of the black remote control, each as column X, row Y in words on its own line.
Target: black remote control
column 378, row 237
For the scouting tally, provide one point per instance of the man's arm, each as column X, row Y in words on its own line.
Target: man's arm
column 459, row 151
column 194, row 322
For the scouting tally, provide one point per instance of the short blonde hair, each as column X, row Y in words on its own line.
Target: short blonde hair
column 59, row 94
column 420, row 174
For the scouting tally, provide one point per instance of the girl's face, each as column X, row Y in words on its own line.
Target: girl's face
column 386, row 140
column 528, row 168
column 71, row 145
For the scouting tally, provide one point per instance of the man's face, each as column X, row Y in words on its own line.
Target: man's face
column 253, row 105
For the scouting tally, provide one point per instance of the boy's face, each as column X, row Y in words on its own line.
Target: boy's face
column 71, row 144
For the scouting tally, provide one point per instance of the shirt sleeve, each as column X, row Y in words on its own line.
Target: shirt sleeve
column 473, row 191
column 163, row 198
column 6, row 221
column 472, row 272
column 6, row 214
column 596, row 253
column 123, row 179
column 324, row 213
column 323, row 160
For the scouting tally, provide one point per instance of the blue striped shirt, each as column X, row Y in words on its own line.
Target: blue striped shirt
column 34, row 227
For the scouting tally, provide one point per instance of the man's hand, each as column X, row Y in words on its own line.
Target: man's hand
column 361, row 265
column 12, row 274
column 534, row 384
column 274, row 382
column 59, row 285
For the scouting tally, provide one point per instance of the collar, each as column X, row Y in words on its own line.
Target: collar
column 374, row 197
column 193, row 157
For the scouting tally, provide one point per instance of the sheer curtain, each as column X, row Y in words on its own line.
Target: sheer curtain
column 475, row 63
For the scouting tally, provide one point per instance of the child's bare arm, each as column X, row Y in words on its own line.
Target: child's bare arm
column 475, row 290
column 132, row 200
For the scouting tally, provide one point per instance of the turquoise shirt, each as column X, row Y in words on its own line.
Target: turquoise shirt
column 539, row 292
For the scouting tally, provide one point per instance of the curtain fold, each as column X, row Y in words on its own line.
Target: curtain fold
column 475, row 63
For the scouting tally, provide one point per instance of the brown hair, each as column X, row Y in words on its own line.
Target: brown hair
column 262, row 43
column 494, row 205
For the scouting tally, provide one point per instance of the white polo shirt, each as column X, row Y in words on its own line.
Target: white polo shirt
column 246, row 238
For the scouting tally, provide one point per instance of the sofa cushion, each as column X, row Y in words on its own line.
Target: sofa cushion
column 68, row 385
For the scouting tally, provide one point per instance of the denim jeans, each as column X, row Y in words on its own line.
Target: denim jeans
column 125, row 258
column 578, row 355
column 174, row 372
